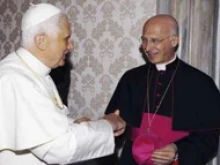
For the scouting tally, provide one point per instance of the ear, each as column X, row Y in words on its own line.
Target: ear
column 174, row 41
column 41, row 41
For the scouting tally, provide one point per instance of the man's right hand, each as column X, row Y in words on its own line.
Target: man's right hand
column 117, row 123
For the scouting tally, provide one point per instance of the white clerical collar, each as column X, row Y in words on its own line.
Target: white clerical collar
column 162, row 67
column 36, row 65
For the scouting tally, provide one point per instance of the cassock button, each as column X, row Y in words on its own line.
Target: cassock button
column 158, row 94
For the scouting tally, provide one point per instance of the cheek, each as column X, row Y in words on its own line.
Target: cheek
column 143, row 47
column 63, row 46
column 161, row 49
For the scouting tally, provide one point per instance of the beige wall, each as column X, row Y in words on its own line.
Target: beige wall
column 106, row 37
column 106, row 34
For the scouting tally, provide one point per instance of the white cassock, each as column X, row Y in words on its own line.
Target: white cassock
column 36, row 131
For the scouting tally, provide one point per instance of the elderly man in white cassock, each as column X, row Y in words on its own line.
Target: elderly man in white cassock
column 34, row 127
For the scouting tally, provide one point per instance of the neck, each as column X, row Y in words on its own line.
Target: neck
column 40, row 55
column 162, row 66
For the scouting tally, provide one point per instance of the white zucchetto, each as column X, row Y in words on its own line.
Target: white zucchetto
column 37, row 14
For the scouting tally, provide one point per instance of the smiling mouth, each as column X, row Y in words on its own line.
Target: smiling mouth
column 151, row 55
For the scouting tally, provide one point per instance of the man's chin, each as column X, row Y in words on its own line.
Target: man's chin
column 61, row 63
column 153, row 61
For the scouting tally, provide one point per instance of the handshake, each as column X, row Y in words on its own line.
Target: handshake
column 116, row 122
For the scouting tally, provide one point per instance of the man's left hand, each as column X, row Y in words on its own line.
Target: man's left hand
column 165, row 155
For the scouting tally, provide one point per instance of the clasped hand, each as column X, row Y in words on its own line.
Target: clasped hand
column 117, row 123
column 165, row 155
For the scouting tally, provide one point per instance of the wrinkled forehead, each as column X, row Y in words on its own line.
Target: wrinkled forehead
column 37, row 14
column 163, row 25
column 156, row 29
column 65, row 22
column 65, row 26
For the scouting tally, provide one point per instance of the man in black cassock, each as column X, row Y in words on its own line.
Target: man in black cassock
column 169, row 100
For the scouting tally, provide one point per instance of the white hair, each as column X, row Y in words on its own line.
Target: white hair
column 50, row 27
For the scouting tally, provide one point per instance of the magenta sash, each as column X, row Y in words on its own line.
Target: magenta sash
column 161, row 134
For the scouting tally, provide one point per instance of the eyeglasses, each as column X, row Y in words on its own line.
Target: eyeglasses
column 154, row 41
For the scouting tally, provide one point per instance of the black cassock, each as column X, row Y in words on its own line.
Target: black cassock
column 192, row 102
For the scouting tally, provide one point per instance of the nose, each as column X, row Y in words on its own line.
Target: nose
column 148, row 46
column 70, row 46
